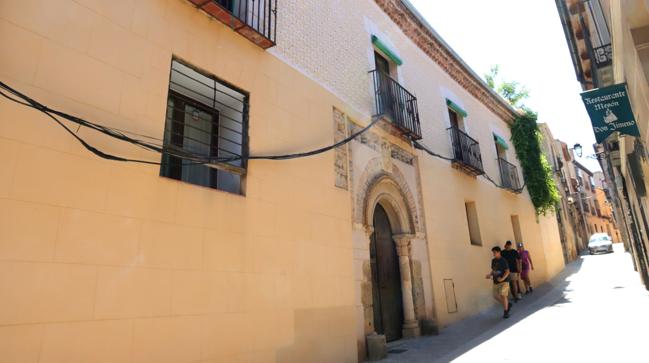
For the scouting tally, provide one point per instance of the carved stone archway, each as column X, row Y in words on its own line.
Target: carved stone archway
column 390, row 190
column 378, row 182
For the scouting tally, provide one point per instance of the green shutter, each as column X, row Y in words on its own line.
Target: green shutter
column 456, row 108
column 500, row 141
column 386, row 50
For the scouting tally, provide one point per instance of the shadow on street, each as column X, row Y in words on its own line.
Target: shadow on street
column 464, row 335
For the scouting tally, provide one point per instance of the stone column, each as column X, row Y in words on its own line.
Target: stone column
column 367, row 299
column 410, row 323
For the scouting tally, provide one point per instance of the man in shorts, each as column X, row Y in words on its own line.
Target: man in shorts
column 500, row 275
column 514, row 262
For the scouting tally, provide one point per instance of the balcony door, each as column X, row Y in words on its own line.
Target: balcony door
column 382, row 64
column 228, row 4
column 387, row 100
column 456, row 126
column 501, row 152
column 455, row 119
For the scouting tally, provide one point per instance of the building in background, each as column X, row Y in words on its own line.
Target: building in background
column 608, row 223
column 215, row 256
column 597, row 210
column 608, row 44
column 569, row 217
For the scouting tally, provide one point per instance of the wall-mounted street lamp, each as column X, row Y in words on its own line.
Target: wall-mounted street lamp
column 578, row 149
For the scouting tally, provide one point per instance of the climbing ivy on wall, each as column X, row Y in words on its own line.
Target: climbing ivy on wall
column 537, row 172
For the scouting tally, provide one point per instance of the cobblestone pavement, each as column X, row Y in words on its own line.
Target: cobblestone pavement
column 596, row 310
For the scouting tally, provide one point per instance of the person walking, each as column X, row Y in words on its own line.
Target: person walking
column 500, row 275
column 514, row 261
column 526, row 265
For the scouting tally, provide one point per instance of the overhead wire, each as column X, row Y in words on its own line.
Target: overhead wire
column 193, row 158
column 420, row 146
column 121, row 135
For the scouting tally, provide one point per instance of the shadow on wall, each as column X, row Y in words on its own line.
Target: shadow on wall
column 322, row 335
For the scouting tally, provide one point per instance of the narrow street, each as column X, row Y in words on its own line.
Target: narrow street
column 590, row 313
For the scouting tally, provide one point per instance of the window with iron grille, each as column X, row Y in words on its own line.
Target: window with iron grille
column 206, row 119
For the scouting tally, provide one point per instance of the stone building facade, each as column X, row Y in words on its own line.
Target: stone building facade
column 607, row 40
column 295, row 260
column 569, row 217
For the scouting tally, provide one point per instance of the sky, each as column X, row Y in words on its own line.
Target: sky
column 525, row 38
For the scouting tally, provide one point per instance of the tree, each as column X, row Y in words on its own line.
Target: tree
column 527, row 139
column 512, row 91
column 537, row 171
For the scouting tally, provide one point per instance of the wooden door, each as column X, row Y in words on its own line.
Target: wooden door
column 386, row 279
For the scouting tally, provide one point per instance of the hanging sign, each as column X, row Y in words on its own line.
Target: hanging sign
column 609, row 110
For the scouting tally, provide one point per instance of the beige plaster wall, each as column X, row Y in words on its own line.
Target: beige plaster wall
column 319, row 54
column 553, row 251
column 108, row 262
column 453, row 257
column 139, row 268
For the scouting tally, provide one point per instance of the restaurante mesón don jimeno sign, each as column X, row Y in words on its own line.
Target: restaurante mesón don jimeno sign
column 609, row 110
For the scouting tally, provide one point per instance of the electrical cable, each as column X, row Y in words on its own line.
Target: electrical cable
column 195, row 159
column 83, row 142
column 118, row 134
column 320, row 150
column 420, row 146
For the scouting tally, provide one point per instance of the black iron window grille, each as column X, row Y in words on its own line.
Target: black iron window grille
column 395, row 102
column 206, row 119
column 466, row 152
column 254, row 19
column 603, row 55
column 598, row 35
column 509, row 175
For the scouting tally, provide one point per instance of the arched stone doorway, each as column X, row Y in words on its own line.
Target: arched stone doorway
column 391, row 228
column 387, row 299
column 384, row 192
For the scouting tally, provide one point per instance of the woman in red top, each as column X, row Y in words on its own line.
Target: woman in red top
column 527, row 264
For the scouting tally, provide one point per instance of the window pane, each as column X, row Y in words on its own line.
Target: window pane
column 205, row 118
column 192, row 84
column 230, row 135
column 229, row 182
column 232, row 124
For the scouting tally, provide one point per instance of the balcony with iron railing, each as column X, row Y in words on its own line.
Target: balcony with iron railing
column 394, row 102
column 466, row 152
column 254, row 19
column 509, row 175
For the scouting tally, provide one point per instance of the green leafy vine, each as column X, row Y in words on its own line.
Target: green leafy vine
column 537, row 172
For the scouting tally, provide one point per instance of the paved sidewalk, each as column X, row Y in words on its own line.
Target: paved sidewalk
column 481, row 338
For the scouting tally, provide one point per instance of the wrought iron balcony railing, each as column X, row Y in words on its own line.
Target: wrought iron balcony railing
column 254, row 19
column 466, row 152
column 395, row 102
column 509, row 175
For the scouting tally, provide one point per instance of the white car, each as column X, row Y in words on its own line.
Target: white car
column 600, row 242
